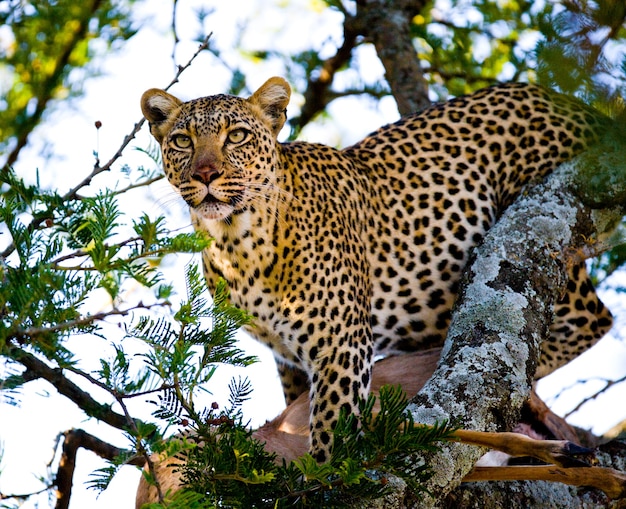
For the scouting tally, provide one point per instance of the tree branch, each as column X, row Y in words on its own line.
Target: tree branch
column 36, row 368
column 317, row 94
column 20, row 335
column 74, row 439
column 505, row 305
column 556, row 495
column 608, row 383
column 73, row 193
column 52, row 82
column 611, row 481
column 388, row 26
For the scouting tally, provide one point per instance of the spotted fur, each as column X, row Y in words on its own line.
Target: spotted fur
column 346, row 254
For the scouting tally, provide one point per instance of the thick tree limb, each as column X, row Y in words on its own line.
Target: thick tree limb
column 505, row 306
column 388, row 26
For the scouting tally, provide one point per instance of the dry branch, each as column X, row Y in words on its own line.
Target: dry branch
column 610, row 481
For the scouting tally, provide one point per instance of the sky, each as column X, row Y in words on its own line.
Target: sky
column 28, row 431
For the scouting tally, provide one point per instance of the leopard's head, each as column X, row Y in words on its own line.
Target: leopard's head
column 219, row 152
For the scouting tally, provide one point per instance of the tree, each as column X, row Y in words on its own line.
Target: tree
column 51, row 39
column 64, row 247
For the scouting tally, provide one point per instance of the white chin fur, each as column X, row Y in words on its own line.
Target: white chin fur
column 213, row 211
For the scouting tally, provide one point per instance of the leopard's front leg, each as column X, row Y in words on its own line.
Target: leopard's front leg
column 340, row 377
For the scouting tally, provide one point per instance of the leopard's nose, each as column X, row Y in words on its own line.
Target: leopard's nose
column 206, row 174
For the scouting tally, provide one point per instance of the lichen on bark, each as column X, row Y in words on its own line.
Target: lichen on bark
column 505, row 307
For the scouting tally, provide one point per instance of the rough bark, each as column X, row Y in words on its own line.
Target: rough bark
column 388, row 26
column 502, row 315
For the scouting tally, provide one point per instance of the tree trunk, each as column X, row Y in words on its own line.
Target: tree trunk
column 501, row 317
column 388, row 26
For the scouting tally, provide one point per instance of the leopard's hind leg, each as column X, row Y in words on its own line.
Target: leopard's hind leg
column 580, row 321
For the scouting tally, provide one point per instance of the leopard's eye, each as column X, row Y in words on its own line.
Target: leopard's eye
column 182, row 141
column 237, row 136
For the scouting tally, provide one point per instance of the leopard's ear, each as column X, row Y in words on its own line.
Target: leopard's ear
column 159, row 107
column 272, row 98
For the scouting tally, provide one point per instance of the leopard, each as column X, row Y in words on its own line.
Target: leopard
column 346, row 255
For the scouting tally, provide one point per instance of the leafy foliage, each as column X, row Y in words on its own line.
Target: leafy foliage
column 580, row 38
column 183, row 354
column 564, row 45
column 180, row 362
column 50, row 40
column 64, row 254
column 229, row 468
column 64, row 251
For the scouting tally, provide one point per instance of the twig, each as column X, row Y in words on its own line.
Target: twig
column 375, row 92
column 174, row 32
column 23, row 496
column 139, row 445
column 72, row 194
column 128, row 138
column 21, row 334
column 607, row 385
column 164, row 387
column 36, row 368
column 203, row 45
column 81, row 254
column 145, row 183
column 142, row 456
